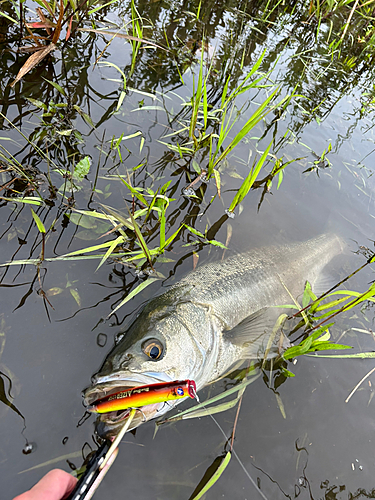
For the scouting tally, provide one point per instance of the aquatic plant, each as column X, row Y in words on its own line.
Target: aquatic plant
column 52, row 20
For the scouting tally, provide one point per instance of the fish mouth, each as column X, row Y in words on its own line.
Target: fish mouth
column 109, row 424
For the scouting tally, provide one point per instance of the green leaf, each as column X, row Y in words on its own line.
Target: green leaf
column 88, row 249
column 148, row 108
column 219, row 471
column 81, row 220
column 162, row 229
column 135, row 191
column 65, row 133
column 359, row 355
column 133, row 293
column 196, row 166
column 84, row 115
column 141, row 240
column 328, row 346
column 256, row 117
column 8, row 17
column 249, row 180
column 306, row 295
column 82, row 168
column 57, row 87
column 27, row 199
column 75, row 296
column 121, row 100
column 218, row 181
column 101, row 7
column 280, row 179
column 194, row 231
column 286, row 372
column 37, row 103
column 171, row 238
column 217, row 244
column 110, row 250
column 203, row 406
column 39, row 223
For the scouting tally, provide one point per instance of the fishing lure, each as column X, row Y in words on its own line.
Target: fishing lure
column 145, row 395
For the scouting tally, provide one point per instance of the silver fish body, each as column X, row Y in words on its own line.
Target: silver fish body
column 214, row 317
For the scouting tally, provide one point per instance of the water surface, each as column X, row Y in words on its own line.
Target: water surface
column 49, row 349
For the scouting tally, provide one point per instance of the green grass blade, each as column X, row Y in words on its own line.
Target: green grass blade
column 141, row 240
column 358, row 355
column 223, row 465
column 214, row 399
column 259, row 114
column 38, row 222
column 171, row 238
column 162, row 229
column 111, row 249
column 57, row 87
column 133, row 293
column 90, row 249
column 27, row 199
column 134, row 192
column 249, row 180
column 205, row 412
column 194, row 231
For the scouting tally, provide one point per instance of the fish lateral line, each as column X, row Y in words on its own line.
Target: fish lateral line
column 145, row 395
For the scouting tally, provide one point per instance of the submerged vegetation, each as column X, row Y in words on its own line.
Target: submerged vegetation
column 132, row 133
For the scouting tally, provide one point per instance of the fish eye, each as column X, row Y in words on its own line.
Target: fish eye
column 153, row 348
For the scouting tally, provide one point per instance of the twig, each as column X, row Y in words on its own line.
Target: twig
column 369, row 261
column 119, row 436
column 235, row 423
column 359, row 383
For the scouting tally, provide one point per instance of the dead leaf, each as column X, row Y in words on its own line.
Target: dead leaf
column 39, row 24
column 195, row 260
column 57, row 31
column 31, row 48
column 43, row 18
column 33, row 61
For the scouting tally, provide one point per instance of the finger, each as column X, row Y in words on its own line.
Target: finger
column 55, row 485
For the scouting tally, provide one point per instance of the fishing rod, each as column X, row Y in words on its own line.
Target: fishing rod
column 132, row 399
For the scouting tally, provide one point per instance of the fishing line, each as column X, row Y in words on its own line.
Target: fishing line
column 240, row 462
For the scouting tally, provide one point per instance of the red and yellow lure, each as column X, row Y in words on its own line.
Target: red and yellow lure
column 145, row 395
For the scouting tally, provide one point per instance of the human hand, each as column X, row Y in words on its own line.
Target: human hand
column 55, row 485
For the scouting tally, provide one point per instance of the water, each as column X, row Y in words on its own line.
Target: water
column 50, row 348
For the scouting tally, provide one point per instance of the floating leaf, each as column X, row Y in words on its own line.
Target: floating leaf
column 74, row 293
column 82, row 168
column 81, row 220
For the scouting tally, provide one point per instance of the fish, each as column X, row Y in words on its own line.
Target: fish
column 217, row 315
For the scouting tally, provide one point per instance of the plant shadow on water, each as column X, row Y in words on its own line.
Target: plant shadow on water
column 134, row 142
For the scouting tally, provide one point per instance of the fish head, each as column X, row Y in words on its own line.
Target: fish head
column 158, row 347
